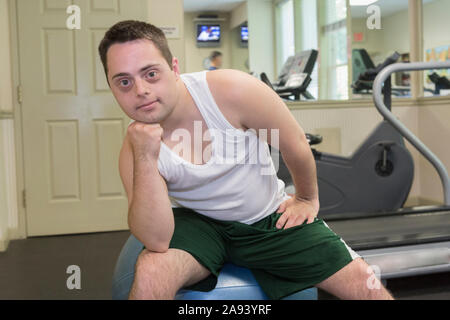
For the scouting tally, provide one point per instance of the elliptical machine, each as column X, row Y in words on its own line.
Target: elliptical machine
column 377, row 177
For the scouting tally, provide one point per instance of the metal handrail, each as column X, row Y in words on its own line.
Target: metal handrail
column 388, row 116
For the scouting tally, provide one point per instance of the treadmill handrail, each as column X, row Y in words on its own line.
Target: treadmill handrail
column 388, row 116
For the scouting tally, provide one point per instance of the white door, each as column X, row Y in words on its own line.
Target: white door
column 72, row 126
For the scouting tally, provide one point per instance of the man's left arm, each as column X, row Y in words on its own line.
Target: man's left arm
column 259, row 107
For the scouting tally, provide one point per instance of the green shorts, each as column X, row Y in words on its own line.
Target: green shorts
column 282, row 261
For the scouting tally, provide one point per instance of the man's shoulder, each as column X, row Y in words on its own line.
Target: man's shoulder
column 227, row 75
column 227, row 87
column 230, row 85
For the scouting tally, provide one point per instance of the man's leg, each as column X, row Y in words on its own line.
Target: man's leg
column 356, row 281
column 161, row 275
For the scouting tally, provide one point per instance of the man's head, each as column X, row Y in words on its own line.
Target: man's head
column 216, row 59
column 130, row 30
column 140, row 69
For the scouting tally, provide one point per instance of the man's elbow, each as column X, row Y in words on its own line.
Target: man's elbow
column 298, row 151
column 162, row 247
column 151, row 242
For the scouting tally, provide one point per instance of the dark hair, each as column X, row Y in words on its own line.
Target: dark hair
column 214, row 55
column 130, row 30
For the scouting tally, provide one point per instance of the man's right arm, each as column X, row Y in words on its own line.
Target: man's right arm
column 150, row 216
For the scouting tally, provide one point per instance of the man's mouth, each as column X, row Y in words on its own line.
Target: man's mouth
column 147, row 106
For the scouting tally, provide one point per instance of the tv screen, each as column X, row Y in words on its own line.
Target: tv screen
column 208, row 34
column 244, row 34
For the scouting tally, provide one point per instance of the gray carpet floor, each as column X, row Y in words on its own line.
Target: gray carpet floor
column 35, row 268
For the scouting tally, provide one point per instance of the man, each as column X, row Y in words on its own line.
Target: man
column 215, row 60
column 193, row 211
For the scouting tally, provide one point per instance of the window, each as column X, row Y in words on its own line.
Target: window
column 285, row 34
column 306, row 27
column 333, row 50
column 372, row 46
column 436, row 46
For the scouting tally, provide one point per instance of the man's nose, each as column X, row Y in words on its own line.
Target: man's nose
column 141, row 87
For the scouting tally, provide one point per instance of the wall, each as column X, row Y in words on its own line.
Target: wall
column 373, row 40
column 170, row 14
column 261, row 37
column 5, row 60
column 4, row 237
column 239, row 15
column 239, row 54
column 234, row 56
column 393, row 36
column 8, row 197
column 436, row 24
column 395, row 33
column 195, row 55
column 434, row 130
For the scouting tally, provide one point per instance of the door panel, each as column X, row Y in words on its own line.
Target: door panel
column 72, row 126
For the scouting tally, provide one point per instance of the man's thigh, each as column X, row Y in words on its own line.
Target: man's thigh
column 173, row 266
column 305, row 246
column 160, row 275
column 202, row 240
column 289, row 260
column 355, row 281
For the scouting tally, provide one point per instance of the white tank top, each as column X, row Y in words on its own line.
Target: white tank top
column 238, row 182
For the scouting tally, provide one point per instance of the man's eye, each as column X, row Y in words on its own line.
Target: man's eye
column 151, row 74
column 124, row 82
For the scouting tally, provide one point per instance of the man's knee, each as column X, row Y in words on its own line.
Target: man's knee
column 145, row 262
column 357, row 280
column 152, row 265
column 152, row 279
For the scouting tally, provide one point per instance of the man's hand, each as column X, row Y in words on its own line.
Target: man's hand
column 296, row 211
column 145, row 140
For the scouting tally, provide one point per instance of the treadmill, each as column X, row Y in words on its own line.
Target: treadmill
column 409, row 241
column 440, row 82
column 365, row 72
column 295, row 76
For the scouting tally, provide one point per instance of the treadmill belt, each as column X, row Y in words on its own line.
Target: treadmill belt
column 390, row 231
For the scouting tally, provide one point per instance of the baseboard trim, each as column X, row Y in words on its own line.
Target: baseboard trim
column 4, row 245
column 421, row 201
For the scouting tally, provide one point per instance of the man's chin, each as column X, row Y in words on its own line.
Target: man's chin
column 148, row 121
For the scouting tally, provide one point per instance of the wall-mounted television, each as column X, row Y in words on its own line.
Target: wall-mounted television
column 244, row 36
column 208, row 35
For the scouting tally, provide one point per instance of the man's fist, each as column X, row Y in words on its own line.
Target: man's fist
column 145, row 140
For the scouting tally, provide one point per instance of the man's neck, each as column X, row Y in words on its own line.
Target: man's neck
column 181, row 113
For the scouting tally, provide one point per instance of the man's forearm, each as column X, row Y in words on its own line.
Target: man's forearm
column 301, row 165
column 150, row 215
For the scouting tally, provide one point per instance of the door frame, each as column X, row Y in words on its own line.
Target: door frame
column 21, row 231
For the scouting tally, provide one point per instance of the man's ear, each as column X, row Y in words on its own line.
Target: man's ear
column 175, row 66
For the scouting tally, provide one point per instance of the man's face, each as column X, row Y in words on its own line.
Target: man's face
column 141, row 80
column 218, row 61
